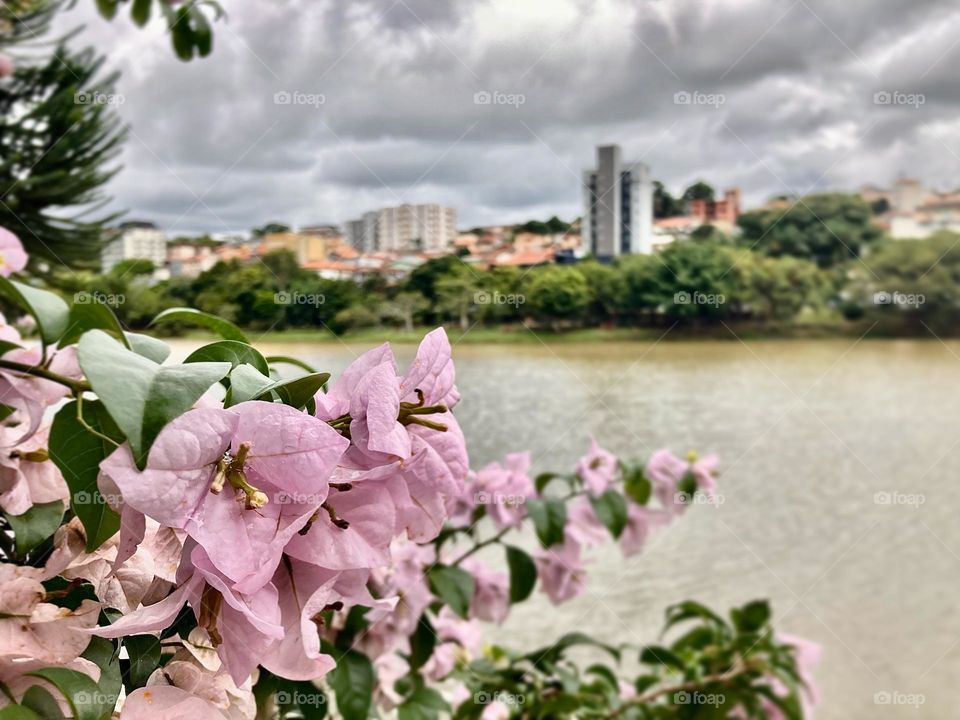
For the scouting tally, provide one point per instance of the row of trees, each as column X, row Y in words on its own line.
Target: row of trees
column 904, row 286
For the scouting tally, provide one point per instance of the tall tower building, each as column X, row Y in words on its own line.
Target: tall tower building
column 617, row 206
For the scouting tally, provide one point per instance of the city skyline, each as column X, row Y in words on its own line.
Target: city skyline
column 505, row 109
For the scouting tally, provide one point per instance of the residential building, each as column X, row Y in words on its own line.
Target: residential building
column 618, row 206
column 908, row 195
column 940, row 212
column 189, row 259
column 135, row 240
column 721, row 213
column 404, row 228
column 307, row 248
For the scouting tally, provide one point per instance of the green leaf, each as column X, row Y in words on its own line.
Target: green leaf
column 90, row 316
column 224, row 328
column 86, row 699
column 424, row 704
column 231, row 351
column 296, row 392
column 352, row 680
column 144, row 652
column 50, row 311
column 105, row 655
column 611, row 510
column 246, row 383
column 549, row 518
column 141, row 11
column 544, row 479
column 140, row 395
column 550, row 655
column 690, row 609
column 182, row 35
column 752, row 617
column 17, row 712
column 78, row 454
column 202, row 34
column 452, row 585
column 659, row 655
column 638, row 487
column 6, row 411
column 35, row 525
column 148, row 347
column 523, row 574
column 422, row 643
column 107, row 8
column 41, row 702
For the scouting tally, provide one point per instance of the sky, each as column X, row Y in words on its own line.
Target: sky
column 495, row 107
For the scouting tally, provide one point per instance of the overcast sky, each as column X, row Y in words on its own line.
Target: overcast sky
column 783, row 100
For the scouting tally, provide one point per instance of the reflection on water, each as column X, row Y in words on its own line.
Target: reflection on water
column 825, row 448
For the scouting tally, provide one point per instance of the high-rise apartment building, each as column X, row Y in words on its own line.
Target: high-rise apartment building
column 134, row 240
column 404, row 228
column 618, row 206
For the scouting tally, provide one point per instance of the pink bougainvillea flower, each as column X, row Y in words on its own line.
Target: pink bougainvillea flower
column 504, row 489
column 16, row 679
column 459, row 642
column 287, row 459
column 28, row 477
column 561, row 572
column 640, row 522
column 6, row 67
column 405, row 578
column 29, row 396
column 183, row 688
column 665, row 470
column 32, row 628
column 583, row 526
column 389, row 668
column 356, row 534
column 705, row 473
column 597, row 468
column 12, row 256
column 491, row 592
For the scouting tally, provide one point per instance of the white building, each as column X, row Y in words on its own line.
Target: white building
column 938, row 213
column 404, row 228
column 618, row 206
column 134, row 241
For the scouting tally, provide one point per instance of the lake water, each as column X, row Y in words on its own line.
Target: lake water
column 809, row 432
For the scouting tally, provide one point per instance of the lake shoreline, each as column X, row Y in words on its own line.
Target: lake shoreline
column 519, row 334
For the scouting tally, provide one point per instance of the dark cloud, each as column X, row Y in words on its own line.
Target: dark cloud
column 382, row 103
